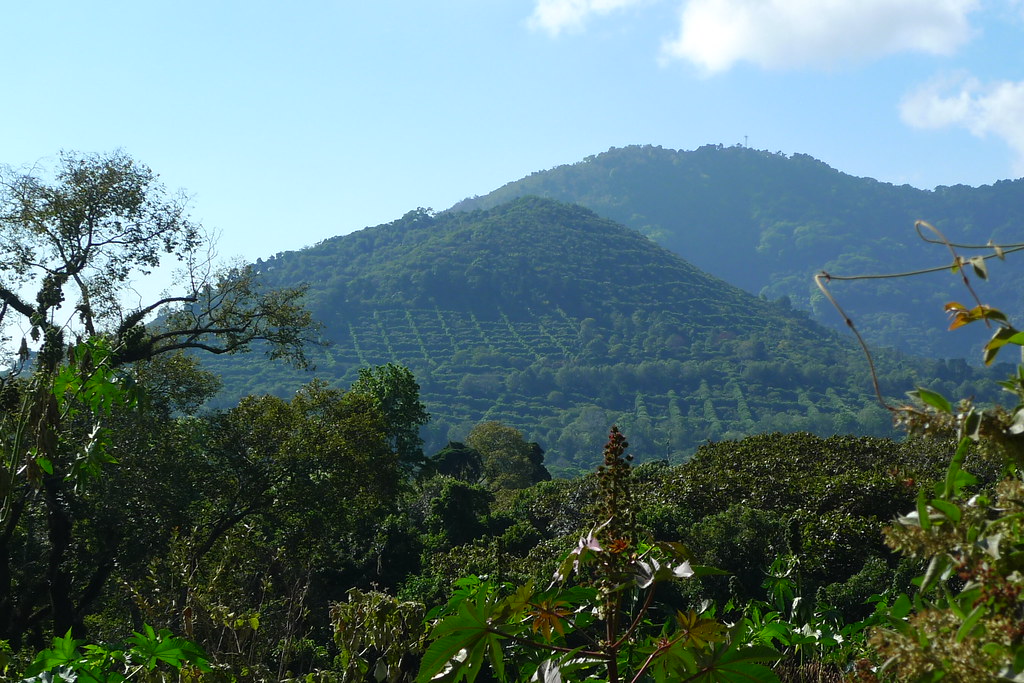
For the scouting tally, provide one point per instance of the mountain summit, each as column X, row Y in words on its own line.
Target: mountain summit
column 768, row 222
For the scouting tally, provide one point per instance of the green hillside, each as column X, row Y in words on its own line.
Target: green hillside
column 768, row 222
column 551, row 319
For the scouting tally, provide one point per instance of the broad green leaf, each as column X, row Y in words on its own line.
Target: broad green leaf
column 64, row 651
column 736, row 663
column 949, row 510
column 460, row 632
column 441, row 653
column 938, row 569
column 676, row 550
column 970, row 622
column 497, row 655
column 670, row 664
column 933, row 399
column 901, row 608
column 522, row 596
column 572, row 662
column 954, row 481
column 475, row 661
column 775, row 631
column 1001, row 337
column 703, row 570
column 698, row 630
column 922, row 511
column 548, row 672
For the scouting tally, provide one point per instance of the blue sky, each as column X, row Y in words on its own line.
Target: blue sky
column 288, row 123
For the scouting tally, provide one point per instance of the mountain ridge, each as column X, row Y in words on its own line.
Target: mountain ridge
column 768, row 222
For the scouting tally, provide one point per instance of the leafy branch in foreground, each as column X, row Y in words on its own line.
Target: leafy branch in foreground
column 599, row 616
column 965, row 621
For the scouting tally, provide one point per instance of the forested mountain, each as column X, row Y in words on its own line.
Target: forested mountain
column 558, row 322
column 768, row 222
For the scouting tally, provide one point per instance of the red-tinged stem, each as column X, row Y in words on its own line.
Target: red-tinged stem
column 660, row 649
column 636, row 622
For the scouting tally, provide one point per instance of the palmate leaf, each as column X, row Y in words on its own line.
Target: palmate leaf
column 699, row 631
column 155, row 648
column 671, row 664
column 548, row 672
column 467, row 632
column 64, row 651
column 735, row 663
column 568, row 664
column 650, row 571
column 548, row 615
column 520, row 600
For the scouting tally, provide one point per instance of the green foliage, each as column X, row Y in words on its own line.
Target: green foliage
column 397, row 396
column 459, row 461
column 293, row 504
column 605, row 622
column 508, row 461
column 964, row 624
column 736, row 505
column 449, row 512
column 59, row 433
column 378, row 636
column 962, row 621
column 145, row 656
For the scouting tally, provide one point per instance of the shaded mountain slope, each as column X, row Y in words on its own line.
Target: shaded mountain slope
column 768, row 222
column 549, row 318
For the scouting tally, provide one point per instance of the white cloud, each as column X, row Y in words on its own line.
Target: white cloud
column 555, row 16
column 962, row 100
column 716, row 34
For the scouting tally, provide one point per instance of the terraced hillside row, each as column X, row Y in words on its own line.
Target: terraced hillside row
column 546, row 378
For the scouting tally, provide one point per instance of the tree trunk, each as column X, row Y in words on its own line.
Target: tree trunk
column 59, row 531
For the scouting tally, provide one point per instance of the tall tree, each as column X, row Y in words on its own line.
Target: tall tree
column 396, row 393
column 70, row 246
column 509, row 462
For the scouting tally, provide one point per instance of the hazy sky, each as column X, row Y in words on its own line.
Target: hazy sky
column 290, row 122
